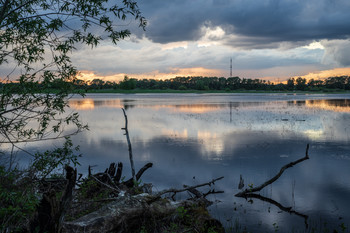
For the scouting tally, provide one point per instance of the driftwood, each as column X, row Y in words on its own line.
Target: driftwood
column 127, row 210
column 134, row 213
column 273, row 179
column 110, row 179
column 118, row 206
column 115, row 188
column 172, row 190
column 107, row 179
column 142, row 170
column 129, row 145
column 191, row 189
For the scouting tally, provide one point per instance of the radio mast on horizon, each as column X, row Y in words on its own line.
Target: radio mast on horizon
column 230, row 67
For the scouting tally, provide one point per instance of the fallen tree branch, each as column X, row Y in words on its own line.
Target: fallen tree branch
column 142, row 170
column 131, row 182
column 273, row 179
column 108, row 186
column 132, row 213
column 187, row 188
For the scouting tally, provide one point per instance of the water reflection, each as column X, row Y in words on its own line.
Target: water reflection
column 208, row 136
column 88, row 103
column 278, row 205
column 337, row 105
column 342, row 105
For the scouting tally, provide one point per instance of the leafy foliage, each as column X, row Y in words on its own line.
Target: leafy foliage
column 53, row 160
column 17, row 200
column 218, row 83
column 36, row 39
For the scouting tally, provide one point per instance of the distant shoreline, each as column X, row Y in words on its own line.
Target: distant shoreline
column 159, row 91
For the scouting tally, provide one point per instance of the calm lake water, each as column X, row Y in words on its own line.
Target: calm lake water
column 193, row 138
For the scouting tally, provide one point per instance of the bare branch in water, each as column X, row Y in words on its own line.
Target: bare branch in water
column 273, row 179
column 129, row 145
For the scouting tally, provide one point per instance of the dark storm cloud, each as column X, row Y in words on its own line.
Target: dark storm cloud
column 338, row 51
column 171, row 21
column 262, row 23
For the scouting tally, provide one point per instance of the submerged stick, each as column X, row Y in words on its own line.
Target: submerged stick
column 129, row 145
column 273, row 179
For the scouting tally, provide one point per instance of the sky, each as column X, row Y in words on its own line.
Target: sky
column 267, row 39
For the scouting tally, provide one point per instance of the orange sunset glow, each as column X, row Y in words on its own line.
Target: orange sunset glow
column 200, row 71
column 174, row 72
column 327, row 73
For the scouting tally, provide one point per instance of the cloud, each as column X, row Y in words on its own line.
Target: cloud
column 203, row 58
column 255, row 24
column 337, row 51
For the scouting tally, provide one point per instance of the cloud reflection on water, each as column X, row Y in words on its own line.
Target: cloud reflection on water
column 211, row 122
column 223, row 135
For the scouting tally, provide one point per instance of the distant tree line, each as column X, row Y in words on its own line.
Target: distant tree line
column 212, row 83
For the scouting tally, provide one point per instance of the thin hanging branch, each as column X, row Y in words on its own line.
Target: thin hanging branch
column 273, row 179
column 129, row 145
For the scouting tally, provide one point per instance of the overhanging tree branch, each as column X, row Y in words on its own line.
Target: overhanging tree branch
column 3, row 10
